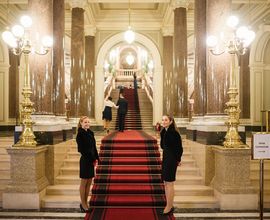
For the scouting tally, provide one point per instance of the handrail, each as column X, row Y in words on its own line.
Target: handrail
column 148, row 86
column 108, row 86
column 129, row 72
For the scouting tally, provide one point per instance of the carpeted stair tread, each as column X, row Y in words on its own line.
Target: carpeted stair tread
column 128, row 169
column 129, row 161
column 128, row 189
column 129, row 153
column 127, row 200
column 120, row 178
column 132, row 213
column 129, row 147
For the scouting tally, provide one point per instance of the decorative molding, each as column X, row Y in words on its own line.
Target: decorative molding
column 78, row 3
column 167, row 31
column 180, row 4
column 90, row 31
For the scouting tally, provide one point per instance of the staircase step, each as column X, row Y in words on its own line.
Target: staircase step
column 129, row 161
column 196, row 202
column 57, row 201
column 63, row 190
column 128, row 169
column 128, row 153
column 128, row 189
column 128, row 200
column 119, row 178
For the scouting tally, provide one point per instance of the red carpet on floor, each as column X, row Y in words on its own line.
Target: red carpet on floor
column 128, row 183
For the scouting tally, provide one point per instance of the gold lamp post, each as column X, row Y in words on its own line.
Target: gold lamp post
column 235, row 46
column 18, row 40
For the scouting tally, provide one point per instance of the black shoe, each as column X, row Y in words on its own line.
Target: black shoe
column 85, row 210
column 167, row 213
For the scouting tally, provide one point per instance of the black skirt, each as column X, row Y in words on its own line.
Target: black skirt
column 86, row 168
column 107, row 113
column 169, row 167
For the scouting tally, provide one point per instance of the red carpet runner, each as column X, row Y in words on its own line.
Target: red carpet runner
column 128, row 183
column 133, row 117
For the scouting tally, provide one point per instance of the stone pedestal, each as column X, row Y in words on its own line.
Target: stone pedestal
column 232, row 179
column 28, row 180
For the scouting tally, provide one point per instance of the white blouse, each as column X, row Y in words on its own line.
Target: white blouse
column 109, row 103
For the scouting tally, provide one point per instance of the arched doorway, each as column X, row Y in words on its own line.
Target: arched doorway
column 260, row 74
column 157, row 76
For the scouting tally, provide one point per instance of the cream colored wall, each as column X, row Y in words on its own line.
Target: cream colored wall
column 4, row 65
column 259, row 74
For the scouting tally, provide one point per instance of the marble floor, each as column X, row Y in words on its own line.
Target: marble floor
column 74, row 214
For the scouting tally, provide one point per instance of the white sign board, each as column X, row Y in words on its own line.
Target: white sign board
column 261, row 146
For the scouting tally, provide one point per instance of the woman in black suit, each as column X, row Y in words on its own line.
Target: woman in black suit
column 171, row 144
column 87, row 147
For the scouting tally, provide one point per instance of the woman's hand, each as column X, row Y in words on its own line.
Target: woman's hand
column 179, row 163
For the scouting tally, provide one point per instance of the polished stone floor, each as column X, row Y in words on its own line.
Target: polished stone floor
column 180, row 214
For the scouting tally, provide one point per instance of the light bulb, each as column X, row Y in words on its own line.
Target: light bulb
column 26, row 21
column 106, row 65
column 129, row 36
column 151, row 65
column 211, row 41
column 242, row 32
column 47, row 41
column 9, row 39
column 232, row 21
column 130, row 59
column 249, row 38
column 17, row 31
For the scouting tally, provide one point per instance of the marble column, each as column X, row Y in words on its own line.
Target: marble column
column 58, row 57
column 14, row 62
column 77, row 75
column 244, row 85
column 218, row 67
column 180, row 81
column 41, row 65
column 90, row 73
column 167, row 72
column 200, row 58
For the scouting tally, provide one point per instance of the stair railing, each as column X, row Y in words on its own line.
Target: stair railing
column 108, row 86
column 147, row 85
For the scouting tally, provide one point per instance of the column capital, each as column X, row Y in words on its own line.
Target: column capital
column 167, row 31
column 78, row 3
column 90, row 31
column 180, row 4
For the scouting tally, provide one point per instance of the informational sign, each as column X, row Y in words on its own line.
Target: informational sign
column 261, row 146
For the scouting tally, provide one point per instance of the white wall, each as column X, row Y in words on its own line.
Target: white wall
column 259, row 74
column 4, row 66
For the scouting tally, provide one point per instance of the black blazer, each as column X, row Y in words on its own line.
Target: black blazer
column 123, row 106
column 171, row 141
column 87, row 144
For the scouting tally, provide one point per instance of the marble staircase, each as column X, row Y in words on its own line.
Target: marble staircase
column 189, row 189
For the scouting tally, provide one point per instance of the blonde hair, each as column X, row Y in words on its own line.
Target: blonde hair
column 80, row 121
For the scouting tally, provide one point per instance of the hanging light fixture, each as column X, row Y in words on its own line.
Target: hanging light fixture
column 129, row 34
column 130, row 59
